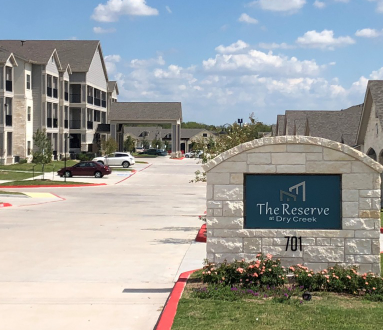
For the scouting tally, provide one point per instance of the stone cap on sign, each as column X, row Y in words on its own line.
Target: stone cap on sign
column 293, row 139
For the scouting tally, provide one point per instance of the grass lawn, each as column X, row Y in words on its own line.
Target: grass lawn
column 121, row 169
column 145, row 156
column 54, row 166
column 41, row 183
column 9, row 175
column 10, row 193
column 324, row 311
column 141, row 162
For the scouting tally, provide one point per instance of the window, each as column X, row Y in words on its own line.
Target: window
column 204, row 134
column 49, row 114
column 55, row 87
column 377, row 129
column 49, row 85
column 55, row 115
column 28, row 81
column 29, row 114
column 66, row 91
column 28, row 148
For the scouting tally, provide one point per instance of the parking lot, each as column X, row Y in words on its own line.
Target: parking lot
column 100, row 257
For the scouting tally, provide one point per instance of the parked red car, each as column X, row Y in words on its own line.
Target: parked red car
column 88, row 168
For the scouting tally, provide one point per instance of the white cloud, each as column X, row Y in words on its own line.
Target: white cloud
column 136, row 63
column 379, row 5
column 279, row 5
column 323, row 40
column 319, row 4
column 168, row 9
column 274, row 45
column 110, row 63
column 344, row 1
column 257, row 62
column 368, row 33
column 235, row 47
column 247, row 19
column 99, row 30
column 113, row 9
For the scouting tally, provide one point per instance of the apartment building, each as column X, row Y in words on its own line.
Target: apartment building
column 61, row 86
column 7, row 65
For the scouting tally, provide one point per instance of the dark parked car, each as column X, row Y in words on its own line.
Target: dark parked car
column 156, row 152
column 89, row 168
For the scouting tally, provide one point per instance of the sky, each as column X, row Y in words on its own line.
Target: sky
column 222, row 59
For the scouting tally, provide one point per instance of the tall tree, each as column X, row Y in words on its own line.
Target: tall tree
column 109, row 146
column 129, row 144
column 43, row 149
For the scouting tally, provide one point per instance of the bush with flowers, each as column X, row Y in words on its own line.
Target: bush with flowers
column 264, row 271
column 338, row 279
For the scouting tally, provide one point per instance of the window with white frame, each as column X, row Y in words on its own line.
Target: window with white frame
column 28, row 81
column 29, row 114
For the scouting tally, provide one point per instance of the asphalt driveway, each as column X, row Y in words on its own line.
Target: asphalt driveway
column 100, row 257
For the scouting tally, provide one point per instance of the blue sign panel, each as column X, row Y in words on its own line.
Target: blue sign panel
column 289, row 201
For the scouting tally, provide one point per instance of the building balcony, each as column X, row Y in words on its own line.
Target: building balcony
column 75, row 124
column 55, row 123
column 55, row 93
column 89, row 125
column 97, row 102
column 90, row 99
column 75, row 98
column 66, row 96
column 49, row 122
column 49, row 91
column 8, row 120
column 66, row 123
column 8, row 86
column 103, row 104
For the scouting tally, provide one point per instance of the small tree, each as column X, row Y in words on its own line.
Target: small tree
column 109, row 146
column 156, row 143
column 145, row 143
column 129, row 144
column 43, row 149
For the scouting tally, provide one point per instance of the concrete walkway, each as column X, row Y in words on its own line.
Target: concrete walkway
column 100, row 257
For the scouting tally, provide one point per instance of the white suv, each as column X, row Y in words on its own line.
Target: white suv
column 124, row 159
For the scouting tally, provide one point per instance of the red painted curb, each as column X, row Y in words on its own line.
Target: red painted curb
column 5, row 205
column 178, row 158
column 58, row 186
column 201, row 236
column 381, row 230
column 166, row 319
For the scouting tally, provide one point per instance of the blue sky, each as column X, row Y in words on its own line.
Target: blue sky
column 223, row 59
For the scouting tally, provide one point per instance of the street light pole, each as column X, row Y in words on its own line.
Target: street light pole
column 240, row 121
column 65, row 152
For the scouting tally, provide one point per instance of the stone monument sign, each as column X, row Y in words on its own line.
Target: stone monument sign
column 305, row 200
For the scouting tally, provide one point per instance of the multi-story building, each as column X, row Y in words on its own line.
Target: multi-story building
column 7, row 124
column 61, row 86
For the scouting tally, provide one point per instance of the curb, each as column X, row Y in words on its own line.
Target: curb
column 381, row 230
column 166, row 318
column 5, row 205
column 201, row 236
column 178, row 158
column 58, row 186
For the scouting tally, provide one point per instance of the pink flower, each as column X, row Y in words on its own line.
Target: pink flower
column 240, row 270
column 269, row 256
column 309, row 275
column 349, row 277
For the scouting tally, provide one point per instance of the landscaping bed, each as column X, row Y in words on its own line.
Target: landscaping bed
column 43, row 183
column 245, row 295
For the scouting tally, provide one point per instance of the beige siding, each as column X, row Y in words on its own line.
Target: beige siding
column 95, row 75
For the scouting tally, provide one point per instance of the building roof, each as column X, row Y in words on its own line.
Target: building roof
column 153, row 132
column 6, row 55
column 374, row 94
column 341, row 126
column 78, row 53
column 163, row 112
column 112, row 85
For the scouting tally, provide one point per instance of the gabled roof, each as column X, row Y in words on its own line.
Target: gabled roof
column 78, row 53
column 33, row 51
column 374, row 94
column 139, row 132
column 332, row 125
column 6, row 55
column 112, row 85
column 145, row 111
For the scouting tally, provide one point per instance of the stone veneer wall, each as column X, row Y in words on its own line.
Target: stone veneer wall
column 356, row 244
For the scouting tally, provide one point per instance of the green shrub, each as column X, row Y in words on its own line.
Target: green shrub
column 261, row 272
column 23, row 161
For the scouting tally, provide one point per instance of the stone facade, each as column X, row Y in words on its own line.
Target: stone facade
column 357, row 243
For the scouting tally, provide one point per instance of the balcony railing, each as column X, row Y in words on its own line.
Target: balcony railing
column 66, row 123
column 49, row 122
column 55, row 93
column 75, row 124
column 55, row 123
column 103, row 104
column 97, row 102
column 8, row 120
column 89, row 124
column 75, row 98
column 49, row 91
column 8, row 85
column 66, row 96
column 90, row 99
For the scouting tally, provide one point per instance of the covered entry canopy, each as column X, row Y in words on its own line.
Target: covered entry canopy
column 146, row 113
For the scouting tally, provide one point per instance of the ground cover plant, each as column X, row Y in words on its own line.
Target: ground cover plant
column 264, row 293
column 41, row 183
column 53, row 166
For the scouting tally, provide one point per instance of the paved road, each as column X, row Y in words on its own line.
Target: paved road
column 64, row 264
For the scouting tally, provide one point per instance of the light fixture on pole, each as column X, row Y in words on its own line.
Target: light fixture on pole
column 240, row 121
column 66, row 138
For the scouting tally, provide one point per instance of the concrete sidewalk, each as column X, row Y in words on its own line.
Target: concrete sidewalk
column 105, row 257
